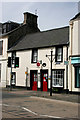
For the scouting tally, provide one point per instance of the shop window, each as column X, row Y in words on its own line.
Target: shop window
column 1, row 47
column 57, row 78
column 59, row 54
column 34, row 55
column 77, row 77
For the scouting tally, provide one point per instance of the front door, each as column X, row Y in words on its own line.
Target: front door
column 33, row 75
column 44, row 80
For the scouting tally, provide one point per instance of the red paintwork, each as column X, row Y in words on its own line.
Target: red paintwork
column 34, row 87
column 44, row 84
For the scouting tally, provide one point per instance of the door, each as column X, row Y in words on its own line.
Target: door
column 33, row 77
column 44, row 80
column 77, row 77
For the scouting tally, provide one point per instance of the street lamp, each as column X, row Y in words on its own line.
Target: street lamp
column 51, row 71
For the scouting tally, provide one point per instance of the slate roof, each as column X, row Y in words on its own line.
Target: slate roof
column 19, row 32
column 58, row 36
column 76, row 17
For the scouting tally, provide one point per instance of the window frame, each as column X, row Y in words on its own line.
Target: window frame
column 33, row 55
column 56, row 54
column 2, row 48
column 56, row 75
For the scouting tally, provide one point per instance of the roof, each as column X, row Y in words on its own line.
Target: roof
column 9, row 22
column 19, row 32
column 59, row 36
column 76, row 17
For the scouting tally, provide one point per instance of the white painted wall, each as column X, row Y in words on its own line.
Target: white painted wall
column 79, row 36
column 25, row 61
column 3, row 61
column 74, row 49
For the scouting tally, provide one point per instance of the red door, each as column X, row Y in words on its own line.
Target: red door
column 45, row 78
column 34, row 81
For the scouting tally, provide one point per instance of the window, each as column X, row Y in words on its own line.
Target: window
column 57, row 78
column 1, row 47
column 59, row 54
column 4, row 28
column 34, row 55
column 0, row 72
column 77, row 77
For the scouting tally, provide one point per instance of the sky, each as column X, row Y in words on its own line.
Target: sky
column 50, row 14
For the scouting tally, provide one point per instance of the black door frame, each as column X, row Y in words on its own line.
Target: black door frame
column 41, row 79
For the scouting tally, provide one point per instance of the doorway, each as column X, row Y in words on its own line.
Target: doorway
column 44, row 80
column 33, row 80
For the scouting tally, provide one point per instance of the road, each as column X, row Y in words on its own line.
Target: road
column 23, row 105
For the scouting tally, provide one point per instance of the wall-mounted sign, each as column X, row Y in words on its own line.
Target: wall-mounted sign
column 66, row 62
column 38, row 64
column 44, row 64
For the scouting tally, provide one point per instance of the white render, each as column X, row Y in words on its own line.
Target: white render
column 74, row 49
column 3, row 61
column 25, row 61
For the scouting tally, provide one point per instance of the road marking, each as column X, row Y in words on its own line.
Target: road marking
column 50, row 116
column 29, row 111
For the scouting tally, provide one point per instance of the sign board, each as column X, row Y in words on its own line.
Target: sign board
column 66, row 62
column 44, row 64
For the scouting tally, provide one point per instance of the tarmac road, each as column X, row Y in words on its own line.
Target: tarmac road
column 26, row 104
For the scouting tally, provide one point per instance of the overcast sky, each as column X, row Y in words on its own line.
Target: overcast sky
column 50, row 14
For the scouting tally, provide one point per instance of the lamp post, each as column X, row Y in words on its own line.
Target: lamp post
column 51, row 70
column 11, row 74
column 51, row 75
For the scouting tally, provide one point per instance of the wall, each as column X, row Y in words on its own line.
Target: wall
column 25, row 61
column 3, row 61
column 74, row 49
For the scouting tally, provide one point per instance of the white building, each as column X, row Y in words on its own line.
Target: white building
column 12, row 32
column 33, row 69
column 74, row 54
column 32, row 49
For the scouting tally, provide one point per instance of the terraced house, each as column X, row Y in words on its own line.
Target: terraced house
column 30, row 57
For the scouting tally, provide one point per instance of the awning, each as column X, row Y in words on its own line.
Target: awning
column 75, row 60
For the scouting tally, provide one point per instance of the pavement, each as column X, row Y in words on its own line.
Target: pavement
column 56, row 96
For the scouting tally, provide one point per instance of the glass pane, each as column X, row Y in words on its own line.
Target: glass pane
column 1, row 47
column 57, row 78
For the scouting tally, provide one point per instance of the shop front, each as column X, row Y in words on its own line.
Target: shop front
column 75, row 61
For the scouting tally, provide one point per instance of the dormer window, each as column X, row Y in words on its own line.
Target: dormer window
column 34, row 55
column 1, row 47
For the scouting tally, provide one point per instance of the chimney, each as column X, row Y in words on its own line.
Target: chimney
column 31, row 19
